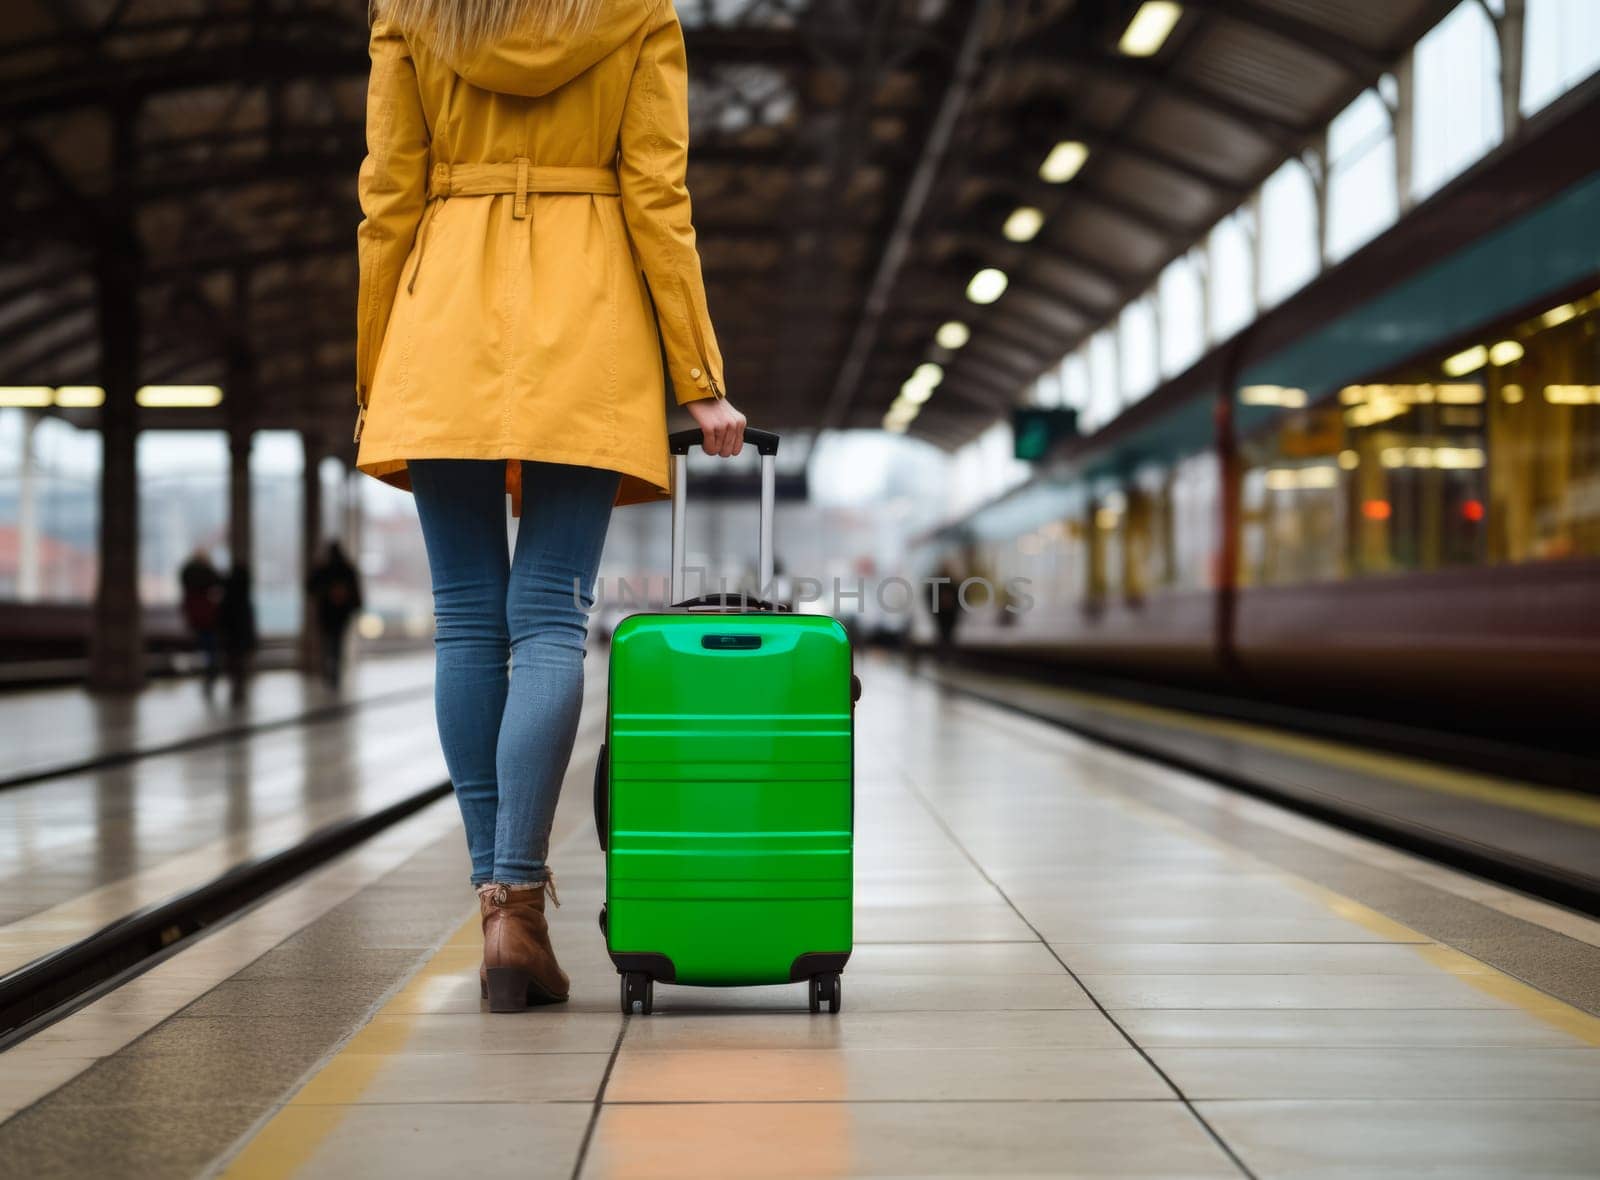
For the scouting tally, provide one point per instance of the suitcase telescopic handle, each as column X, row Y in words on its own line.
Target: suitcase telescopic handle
column 681, row 442
column 766, row 445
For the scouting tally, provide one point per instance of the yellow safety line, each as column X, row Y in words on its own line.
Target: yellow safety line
column 1575, row 1022
column 1486, row 977
column 1548, row 801
column 293, row 1135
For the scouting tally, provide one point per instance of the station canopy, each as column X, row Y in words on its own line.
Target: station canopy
column 853, row 165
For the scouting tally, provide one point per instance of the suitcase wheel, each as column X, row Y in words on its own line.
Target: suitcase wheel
column 637, row 987
column 826, row 988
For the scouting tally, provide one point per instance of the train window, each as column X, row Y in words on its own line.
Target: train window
column 1195, row 487
column 1292, row 515
column 1488, row 454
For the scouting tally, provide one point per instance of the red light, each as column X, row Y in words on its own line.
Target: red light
column 1472, row 509
column 1376, row 509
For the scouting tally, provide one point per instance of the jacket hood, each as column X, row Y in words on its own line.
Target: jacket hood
column 523, row 65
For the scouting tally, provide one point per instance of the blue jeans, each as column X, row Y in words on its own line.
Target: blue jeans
column 507, row 741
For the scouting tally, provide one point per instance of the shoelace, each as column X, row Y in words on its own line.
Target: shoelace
column 500, row 894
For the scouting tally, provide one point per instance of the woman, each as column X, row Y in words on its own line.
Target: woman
column 527, row 236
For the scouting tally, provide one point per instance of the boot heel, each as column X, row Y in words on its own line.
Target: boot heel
column 508, row 989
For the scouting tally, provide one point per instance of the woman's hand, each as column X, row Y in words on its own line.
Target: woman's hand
column 721, row 425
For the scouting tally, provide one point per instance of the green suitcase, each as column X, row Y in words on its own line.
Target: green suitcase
column 724, row 793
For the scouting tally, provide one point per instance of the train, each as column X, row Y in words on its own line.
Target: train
column 1381, row 498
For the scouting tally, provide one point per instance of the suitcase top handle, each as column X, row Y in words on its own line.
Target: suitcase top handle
column 680, row 441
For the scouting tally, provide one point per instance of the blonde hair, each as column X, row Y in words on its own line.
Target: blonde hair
column 458, row 27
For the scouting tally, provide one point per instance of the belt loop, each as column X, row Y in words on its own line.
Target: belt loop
column 519, row 206
column 441, row 180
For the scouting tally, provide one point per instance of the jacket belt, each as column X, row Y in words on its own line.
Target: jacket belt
column 518, row 178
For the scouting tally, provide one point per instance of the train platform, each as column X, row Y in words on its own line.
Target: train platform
column 1507, row 822
column 168, row 793
column 50, row 732
column 1070, row 961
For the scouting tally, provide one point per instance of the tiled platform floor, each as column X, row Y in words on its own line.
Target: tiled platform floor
column 41, row 729
column 1052, row 978
column 81, row 850
column 1068, row 963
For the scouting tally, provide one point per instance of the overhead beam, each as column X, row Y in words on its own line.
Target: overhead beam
column 952, row 103
column 1350, row 56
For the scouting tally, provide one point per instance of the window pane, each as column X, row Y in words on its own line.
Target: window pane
column 1232, row 300
column 1560, row 48
column 183, row 506
column 1136, row 337
column 332, row 476
column 1456, row 97
column 277, row 479
column 1288, row 232
column 49, row 509
column 396, row 586
column 1361, row 194
column 1183, row 330
column 1075, row 380
column 1104, row 401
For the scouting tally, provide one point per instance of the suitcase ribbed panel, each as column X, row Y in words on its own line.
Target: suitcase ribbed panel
column 730, row 816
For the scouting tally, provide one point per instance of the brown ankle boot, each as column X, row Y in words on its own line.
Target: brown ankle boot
column 519, row 966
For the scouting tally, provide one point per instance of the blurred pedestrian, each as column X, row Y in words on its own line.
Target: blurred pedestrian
column 335, row 590
column 201, row 586
column 947, row 603
column 236, row 629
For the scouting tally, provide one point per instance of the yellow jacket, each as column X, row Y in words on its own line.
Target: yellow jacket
column 527, row 231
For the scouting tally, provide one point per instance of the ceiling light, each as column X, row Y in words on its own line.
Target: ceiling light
column 928, row 374
column 987, row 285
column 914, row 392
column 1063, row 162
column 179, row 396
column 952, row 334
column 1467, row 361
column 24, row 396
column 1458, row 458
column 1148, row 29
column 1505, row 353
column 1572, row 395
column 1272, row 395
column 900, row 415
column 1023, row 224
column 1511, row 394
column 80, row 397
column 1319, row 475
column 1558, row 315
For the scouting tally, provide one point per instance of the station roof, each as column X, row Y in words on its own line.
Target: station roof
column 852, row 165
